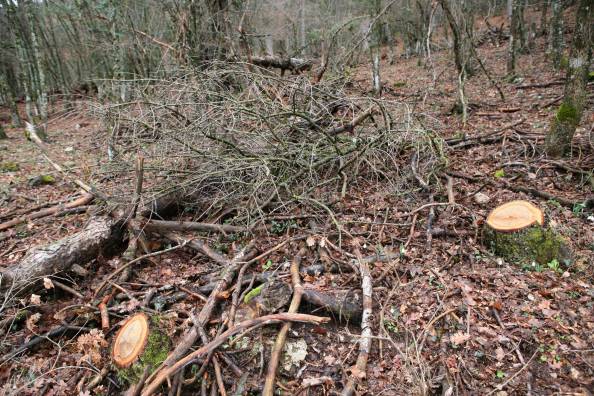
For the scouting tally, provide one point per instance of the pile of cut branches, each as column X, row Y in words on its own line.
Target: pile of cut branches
column 242, row 138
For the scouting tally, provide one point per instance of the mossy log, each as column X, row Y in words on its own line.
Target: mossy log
column 516, row 232
column 139, row 345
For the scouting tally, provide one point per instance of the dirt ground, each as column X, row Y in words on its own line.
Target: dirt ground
column 446, row 313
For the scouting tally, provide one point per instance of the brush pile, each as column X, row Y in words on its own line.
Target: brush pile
column 237, row 137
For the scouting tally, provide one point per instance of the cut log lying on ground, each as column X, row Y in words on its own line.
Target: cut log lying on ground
column 101, row 235
column 293, row 64
column 139, row 345
column 346, row 305
column 162, row 225
column 516, row 231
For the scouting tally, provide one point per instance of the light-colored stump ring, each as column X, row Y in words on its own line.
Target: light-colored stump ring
column 515, row 216
column 130, row 341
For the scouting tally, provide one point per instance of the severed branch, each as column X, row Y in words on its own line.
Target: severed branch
column 163, row 225
column 58, row 331
column 589, row 203
column 365, row 342
column 282, row 334
column 244, row 327
column 293, row 64
column 349, row 127
column 472, row 140
column 129, row 263
column 139, row 180
column 54, row 210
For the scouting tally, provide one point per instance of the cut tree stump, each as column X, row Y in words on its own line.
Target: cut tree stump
column 139, row 346
column 516, row 231
column 101, row 235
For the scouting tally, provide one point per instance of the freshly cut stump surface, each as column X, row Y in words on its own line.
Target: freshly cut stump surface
column 130, row 340
column 516, row 232
column 139, row 345
column 514, row 216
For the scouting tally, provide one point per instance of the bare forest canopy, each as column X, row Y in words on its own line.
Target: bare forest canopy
column 75, row 47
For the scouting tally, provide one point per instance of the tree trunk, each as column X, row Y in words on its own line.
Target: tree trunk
column 302, row 40
column 569, row 114
column 460, row 57
column 521, row 28
column 543, row 17
column 512, row 9
column 556, row 33
column 375, row 47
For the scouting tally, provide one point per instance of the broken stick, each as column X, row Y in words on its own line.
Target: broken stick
column 282, row 334
column 365, row 341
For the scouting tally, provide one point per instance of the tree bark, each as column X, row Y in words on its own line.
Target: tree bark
column 100, row 235
column 375, row 47
column 513, row 16
column 543, row 17
column 556, row 33
column 569, row 114
column 293, row 64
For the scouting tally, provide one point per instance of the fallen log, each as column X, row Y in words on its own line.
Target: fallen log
column 541, row 85
column 293, row 64
column 163, row 225
column 100, row 235
column 347, row 305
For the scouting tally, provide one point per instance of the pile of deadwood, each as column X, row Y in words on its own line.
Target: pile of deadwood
column 233, row 147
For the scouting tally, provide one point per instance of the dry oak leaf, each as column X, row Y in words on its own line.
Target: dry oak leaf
column 31, row 322
column 47, row 283
column 357, row 372
column 459, row 338
column 35, row 299
column 330, row 360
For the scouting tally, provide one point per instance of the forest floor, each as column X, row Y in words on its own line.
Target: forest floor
column 446, row 312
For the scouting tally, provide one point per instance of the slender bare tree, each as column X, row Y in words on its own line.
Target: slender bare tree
column 569, row 114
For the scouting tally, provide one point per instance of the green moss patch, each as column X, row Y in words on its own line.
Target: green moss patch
column 156, row 351
column 42, row 180
column 533, row 244
column 9, row 166
column 568, row 114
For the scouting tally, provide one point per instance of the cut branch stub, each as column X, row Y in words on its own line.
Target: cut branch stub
column 515, row 216
column 130, row 341
column 516, row 232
